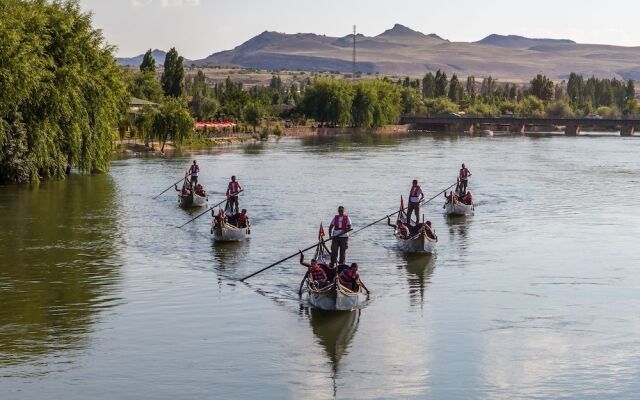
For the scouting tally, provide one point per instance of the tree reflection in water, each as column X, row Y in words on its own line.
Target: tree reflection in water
column 59, row 266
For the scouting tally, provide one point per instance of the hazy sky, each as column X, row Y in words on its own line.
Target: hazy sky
column 198, row 28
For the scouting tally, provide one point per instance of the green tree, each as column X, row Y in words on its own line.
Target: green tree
column 410, row 100
column 428, row 86
column 254, row 114
column 148, row 63
column 559, row 108
column 471, row 87
column 329, row 101
column 441, row 83
column 531, row 106
column 144, row 85
column 172, row 122
column 61, row 92
column 173, row 76
column 455, row 88
column 630, row 90
column 542, row 87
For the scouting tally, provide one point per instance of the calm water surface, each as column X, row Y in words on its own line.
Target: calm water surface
column 536, row 296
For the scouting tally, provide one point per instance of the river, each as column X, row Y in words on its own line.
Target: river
column 536, row 296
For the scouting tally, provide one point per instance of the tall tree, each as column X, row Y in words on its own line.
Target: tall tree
column 441, row 84
column 148, row 62
column 454, row 89
column 428, row 86
column 173, row 76
column 172, row 122
column 542, row 87
column 471, row 87
column 56, row 108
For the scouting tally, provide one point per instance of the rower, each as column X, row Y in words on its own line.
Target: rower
column 399, row 227
column 429, row 231
column 415, row 197
column 339, row 231
column 464, row 179
column 318, row 276
column 233, row 190
column 194, row 170
column 468, row 199
column 242, row 219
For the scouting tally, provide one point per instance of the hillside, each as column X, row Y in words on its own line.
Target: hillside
column 403, row 51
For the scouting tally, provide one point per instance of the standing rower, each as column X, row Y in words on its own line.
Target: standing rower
column 464, row 179
column 415, row 197
column 233, row 190
column 339, row 231
column 194, row 170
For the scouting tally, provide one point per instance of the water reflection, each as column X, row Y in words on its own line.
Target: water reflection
column 334, row 332
column 419, row 271
column 347, row 142
column 59, row 265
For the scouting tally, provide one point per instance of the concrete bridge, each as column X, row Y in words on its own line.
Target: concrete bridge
column 572, row 126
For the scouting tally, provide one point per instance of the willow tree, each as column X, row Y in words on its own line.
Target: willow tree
column 172, row 122
column 61, row 91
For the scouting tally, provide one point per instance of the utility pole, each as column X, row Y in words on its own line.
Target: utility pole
column 353, row 72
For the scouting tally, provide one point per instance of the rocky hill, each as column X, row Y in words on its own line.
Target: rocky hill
column 404, row 51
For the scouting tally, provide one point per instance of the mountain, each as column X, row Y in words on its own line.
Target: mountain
column 403, row 51
column 514, row 41
column 158, row 55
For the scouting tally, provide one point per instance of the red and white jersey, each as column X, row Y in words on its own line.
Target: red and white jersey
column 340, row 224
column 195, row 169
column 414, row 194
column 234, row 188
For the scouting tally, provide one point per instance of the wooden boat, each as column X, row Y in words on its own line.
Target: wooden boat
column 418, row 243
column 334, row 296
column 455, row 207
column 225, row 232
column 192, row 200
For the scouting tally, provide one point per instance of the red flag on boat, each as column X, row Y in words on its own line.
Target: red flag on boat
column 321, row 232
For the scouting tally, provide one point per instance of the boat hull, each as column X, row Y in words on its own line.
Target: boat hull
column 229, row 233
column 192, row 200
column 421, row 244
column 335, row 297
column 458, row 209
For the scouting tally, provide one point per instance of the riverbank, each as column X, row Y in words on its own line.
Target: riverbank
column 136, row 147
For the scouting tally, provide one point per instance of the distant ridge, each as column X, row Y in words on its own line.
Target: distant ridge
column 514, row 41
column 402, row 51
column 158, row 55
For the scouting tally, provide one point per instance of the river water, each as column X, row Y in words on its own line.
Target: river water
column 536, row 296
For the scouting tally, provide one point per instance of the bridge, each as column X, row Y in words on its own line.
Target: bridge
column 519, row 124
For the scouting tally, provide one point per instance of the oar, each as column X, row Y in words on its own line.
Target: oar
column 204, row 212
column 326, row 240
column 289, row 257
column 397, row 212
column 164, row 191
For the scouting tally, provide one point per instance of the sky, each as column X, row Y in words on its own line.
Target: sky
column 198, row 28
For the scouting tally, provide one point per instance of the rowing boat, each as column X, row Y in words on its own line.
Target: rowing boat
column 420, row 242
column 192, row 200
column 454, row 207
column 225, row 232
column 335, row 296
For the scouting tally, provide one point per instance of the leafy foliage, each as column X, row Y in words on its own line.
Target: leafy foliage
column 61, row 92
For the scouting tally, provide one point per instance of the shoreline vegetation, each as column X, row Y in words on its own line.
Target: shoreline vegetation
column 61, row 112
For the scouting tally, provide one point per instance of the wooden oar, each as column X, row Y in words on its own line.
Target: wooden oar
column 172, row 185
column 204, row 212
column 397, row 212
column 326, row 240
column 290, row 257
